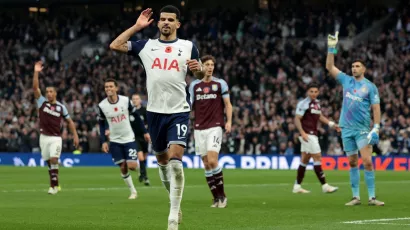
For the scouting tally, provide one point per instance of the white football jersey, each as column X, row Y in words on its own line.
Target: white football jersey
column 165, row 66
column 117, row 116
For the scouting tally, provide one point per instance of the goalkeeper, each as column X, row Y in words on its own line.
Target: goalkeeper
column 359, row 96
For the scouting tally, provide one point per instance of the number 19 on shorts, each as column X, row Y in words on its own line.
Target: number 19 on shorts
column 181, row 129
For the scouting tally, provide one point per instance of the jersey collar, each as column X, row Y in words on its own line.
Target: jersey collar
column 162, row 41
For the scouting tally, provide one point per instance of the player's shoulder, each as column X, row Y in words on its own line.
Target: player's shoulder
column 103, row 102
column 60, row 104
column 304, row 102
column 195, row 82
column 219, row 80
column 369, row 83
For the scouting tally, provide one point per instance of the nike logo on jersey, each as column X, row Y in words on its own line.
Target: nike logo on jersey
column 154, row 49
column 180, row 138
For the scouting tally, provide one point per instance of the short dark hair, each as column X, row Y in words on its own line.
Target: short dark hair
column 313, row 85
column 171, row 9
column 361, row 62
column 53, row 87
column 207, row 58
column 111, row 80
column 135, row 94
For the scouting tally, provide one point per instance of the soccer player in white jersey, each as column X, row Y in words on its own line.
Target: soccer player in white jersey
column 51, row 114
column 166, row 61
column 116, row 111
column 209, row 98
column 308, row 114
column 359, row 97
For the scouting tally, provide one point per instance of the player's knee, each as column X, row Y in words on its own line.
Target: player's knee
column 368, row 164
column 353, row 163
column 53, row 161
column 213, row 163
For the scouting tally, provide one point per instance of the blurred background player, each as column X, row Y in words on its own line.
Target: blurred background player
column 142, row 137
column 308, row 113
column 116, row 111
column 51, row 114
column 359, row 97
column 209, row 98
column 165, row 60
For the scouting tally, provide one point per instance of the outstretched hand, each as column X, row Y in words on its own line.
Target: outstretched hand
column 144, row 18
column 38, row 67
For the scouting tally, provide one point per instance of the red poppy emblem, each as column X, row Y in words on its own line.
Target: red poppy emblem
column 115, row 109
column 168, row 49
column 52, row 108
column 354, row 91
column 206, row 90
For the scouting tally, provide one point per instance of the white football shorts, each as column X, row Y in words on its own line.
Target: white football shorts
column 208, row 140
column 312, row 146
column 50, row 146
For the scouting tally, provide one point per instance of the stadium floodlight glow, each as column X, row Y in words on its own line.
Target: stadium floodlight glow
column 43, row 10
column 33, row 9
column 182, row 3
column 138, row 8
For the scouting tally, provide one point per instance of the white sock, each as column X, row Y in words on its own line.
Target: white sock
column 164, row 174
column 128, row 181
column 177, row 188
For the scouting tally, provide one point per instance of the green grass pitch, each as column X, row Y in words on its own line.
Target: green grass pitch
column 96, row 198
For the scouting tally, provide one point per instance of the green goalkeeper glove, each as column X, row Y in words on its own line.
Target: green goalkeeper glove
column 332, row 42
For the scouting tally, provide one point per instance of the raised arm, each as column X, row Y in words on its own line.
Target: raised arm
column 330, row 60
column 120, row 43
column 36, row 86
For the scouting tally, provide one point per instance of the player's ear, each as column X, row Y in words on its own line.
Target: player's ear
column 178, row 24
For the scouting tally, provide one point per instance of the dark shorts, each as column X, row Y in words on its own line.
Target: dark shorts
column 123, row 152
column 142, row 145
column 167, row 129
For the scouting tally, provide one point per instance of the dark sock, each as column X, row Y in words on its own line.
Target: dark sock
column 301, row 173
column 211, row 184
column 53, row 175
column 143, row 168
column 219, row 182
column 320, row 174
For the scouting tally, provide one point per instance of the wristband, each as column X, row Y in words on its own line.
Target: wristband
column 332, row 50
column 376, row 126
column 331, row 124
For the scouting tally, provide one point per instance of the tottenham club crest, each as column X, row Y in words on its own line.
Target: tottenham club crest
column 214, row 87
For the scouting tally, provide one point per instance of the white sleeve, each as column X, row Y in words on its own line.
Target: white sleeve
column 301, row 108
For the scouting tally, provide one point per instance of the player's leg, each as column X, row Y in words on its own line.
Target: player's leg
column 158, row 131
column 45, row 155
column 143, row 150
column 200, row 150
column 130, row 151
column 213, row 146
column 304, row 161
column 54, row 149
column 209, row 176
column 141, row 160
column 145, row 154
column 350, row 147
column 119, row 156
column 366, row 154
column 317, row 166
column 177, row 137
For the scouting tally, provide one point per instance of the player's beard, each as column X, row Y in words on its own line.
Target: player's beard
column 166, row 31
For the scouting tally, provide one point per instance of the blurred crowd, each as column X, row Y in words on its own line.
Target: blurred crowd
column 266, row 59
